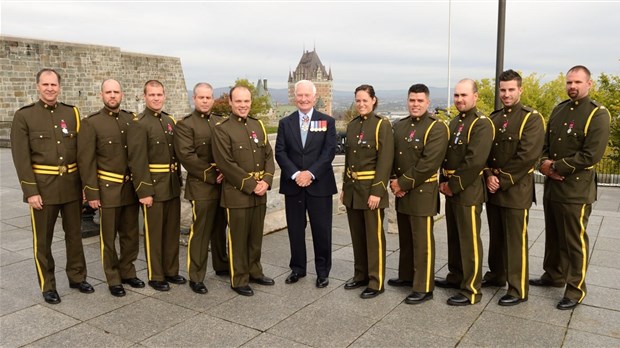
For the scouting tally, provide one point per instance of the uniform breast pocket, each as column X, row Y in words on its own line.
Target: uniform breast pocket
column 203, row 147
column 110, row 146
column 41, row 141
column 157, row 145
column 368, row 147
column 242, row 154
column 507, row 143
column 574, row 139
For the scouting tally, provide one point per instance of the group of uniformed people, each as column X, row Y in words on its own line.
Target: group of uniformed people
column 121, row 162
column 472, row 160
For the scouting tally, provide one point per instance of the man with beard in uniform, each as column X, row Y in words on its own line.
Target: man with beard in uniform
column 43, row 144
column 420, row 143
column 462, row 182
column 520, row 133
column 576, row 138
column 243, row 154
column 156, row 178
column 106, row 181
column 193, row 144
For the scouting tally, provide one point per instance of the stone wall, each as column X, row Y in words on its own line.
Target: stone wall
column 83, row 68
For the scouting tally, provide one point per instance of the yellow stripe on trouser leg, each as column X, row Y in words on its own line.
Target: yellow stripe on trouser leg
column 36, row 249
column 191, row 236
column 380, row 244
column 102, row 244
column 146, row 240
column 230, row 250
column 474, row 242
column 523, row 254
column 584, row 253
column 429, row 253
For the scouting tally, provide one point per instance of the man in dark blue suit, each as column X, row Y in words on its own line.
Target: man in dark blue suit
column 305, row 148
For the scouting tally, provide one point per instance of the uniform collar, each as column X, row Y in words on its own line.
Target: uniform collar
column 202, row 115
column 47, row 106
column 512, row 108
column 470, row 112
column 581, row 101
column 150, row 112
column 370, row 115
column 417, row 119
column 240, row 119
column 109, row 112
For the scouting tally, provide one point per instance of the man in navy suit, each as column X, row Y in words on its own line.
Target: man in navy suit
column 305, row 148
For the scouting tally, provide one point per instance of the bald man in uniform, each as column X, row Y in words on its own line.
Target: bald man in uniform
column 106, row 181
column 43, row 144
column 462, row 182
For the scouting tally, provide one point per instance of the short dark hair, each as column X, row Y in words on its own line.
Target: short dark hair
column 419, row 88
column 576, row 68
column 371, row 92
column 153, row 83
column 46, row 70
column 510, row 75
column 233, row 89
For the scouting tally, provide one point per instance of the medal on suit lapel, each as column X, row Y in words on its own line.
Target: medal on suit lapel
column 63, row 127
column 254, row 137
column 360, row 137
column 458, row 133
column 570, row 127
column 503, row 129
column 169, row 129
column 411, row 135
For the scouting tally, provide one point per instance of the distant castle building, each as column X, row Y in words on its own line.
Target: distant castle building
column 311, row 68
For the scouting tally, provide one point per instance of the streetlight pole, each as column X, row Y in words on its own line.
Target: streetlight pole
column 449, row 57
column 499, row 62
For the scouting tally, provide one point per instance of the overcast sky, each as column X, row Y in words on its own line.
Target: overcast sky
column 389, row 44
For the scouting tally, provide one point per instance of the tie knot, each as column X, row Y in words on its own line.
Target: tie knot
column 305, row 118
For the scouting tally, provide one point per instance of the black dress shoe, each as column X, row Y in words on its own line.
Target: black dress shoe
column 354, row 284
column 159, row 285
column 322, row 282
column 117, row 290
column 443, row 283
column 293, row 277
column 509, row 300
column 83, row 286
column 51, row 297
column 222, row 273
column 198, row 287
column 262, row 280
column 133, row 282
column 567, row 303
column 459, row 300
column 418, row 297
column 544, row 282
column 244, row 290
column 370, row 293
column 176, row 279
column 488, row 283
column 399, row 282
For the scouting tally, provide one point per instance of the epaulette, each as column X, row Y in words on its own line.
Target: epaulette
column 93, row 114
column 129, row 112
column 406, row 118
column 188, row 116
column 497, row 111
column 69, row 105
column 528, row 109
column 479, row 114
column 597, row 104
column 222, row 121
column 26, row 106
column 164, row 113
column 432, row 117
column 253, row 117
column 138, row 116
column 220, row 115
column 565, row 101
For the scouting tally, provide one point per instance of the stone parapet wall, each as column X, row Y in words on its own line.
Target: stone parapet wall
column 82, row 68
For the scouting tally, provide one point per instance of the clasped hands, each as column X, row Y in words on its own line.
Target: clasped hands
column 261, row 188
column 303, row 179
column 546, row 169
column 396, row 190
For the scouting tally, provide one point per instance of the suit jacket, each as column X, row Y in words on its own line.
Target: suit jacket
column 102, row 158
column 44, row 147
column 316, row 156
column 576, row 138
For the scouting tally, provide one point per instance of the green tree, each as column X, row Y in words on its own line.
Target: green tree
column 260, row 105
column 607, row 92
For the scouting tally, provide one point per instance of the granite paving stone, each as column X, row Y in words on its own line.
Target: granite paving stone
column 579, row 339
column 601, row 321
column 531, row 310
column 32, row 323
column 603, row 297
column 82, row 335
column 383, row 335
column 272, row 341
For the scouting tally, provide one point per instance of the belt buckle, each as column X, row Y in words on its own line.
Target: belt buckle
column 62, row 170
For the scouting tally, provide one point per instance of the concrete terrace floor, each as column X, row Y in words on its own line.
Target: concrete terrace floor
column 299, row 315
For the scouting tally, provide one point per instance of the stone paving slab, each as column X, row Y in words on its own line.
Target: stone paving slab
column 32, row 323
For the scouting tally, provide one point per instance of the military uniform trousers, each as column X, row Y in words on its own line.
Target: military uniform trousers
column 208, row 225
column 464, row 248
column 508, row 260
column 43, row 222
column 161, row 238
column 124, row 221
column 320, row 214
column 245, row 239
column 368, row 240
column 566, row 246
column 417, row 251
